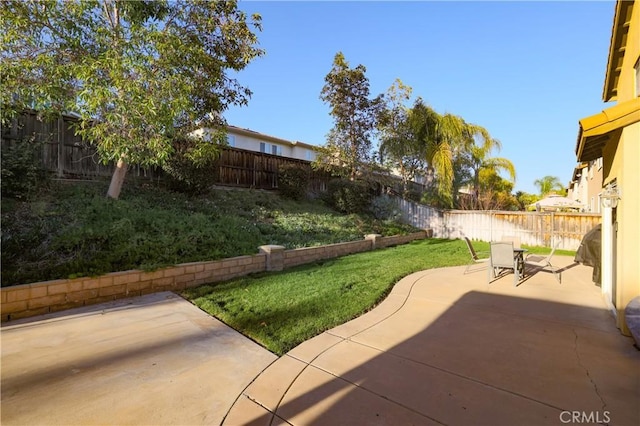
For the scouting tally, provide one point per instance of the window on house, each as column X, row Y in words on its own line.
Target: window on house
column 309, row 156
column 272, row 149
column 231, row 140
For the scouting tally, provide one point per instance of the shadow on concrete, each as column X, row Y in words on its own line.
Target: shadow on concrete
column 486, row 359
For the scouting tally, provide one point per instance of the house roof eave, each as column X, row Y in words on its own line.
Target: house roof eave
column 617, row 46
column 596, row 130
column 262, row 136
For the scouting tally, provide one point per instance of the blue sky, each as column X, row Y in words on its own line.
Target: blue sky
column 526, row 71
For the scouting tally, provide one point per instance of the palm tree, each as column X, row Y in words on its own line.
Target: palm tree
column 441, row 137
column 482, row 164
column 455, row 152
column 549, row 184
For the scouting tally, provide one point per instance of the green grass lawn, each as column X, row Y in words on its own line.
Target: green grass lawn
column 280, row 310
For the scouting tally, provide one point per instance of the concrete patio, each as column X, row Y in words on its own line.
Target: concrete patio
column 448, row 348
column 444, row 348
column 150, row 360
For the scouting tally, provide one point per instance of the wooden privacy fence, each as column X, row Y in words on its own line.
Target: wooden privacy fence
column 534, row 228
column 239, row 167
column 63, row 152
column 67, row 155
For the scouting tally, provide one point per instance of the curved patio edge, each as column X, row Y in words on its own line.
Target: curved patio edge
column 258, row 403
column 444, row 346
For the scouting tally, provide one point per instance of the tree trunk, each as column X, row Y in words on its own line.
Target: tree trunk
column 117, row 179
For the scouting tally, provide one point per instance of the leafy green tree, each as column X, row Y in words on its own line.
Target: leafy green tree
column 548, row 185
column 137, row 72
column 462, row 177
column 349, row 142
column 422, row 120
column 400, row 149
column 495, row 192
column 525, row 199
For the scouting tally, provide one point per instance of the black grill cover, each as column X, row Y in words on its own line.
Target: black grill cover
column 589, row 252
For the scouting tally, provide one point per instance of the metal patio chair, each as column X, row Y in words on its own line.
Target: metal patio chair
column 503, row 257
column 542, row 262
column 475, row 256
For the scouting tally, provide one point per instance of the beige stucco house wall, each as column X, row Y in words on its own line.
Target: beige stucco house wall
column 614, row 135
column 594, row 185
column 250, row 140
column 586, row 185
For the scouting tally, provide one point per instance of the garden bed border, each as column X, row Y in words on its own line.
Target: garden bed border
column 26, row 300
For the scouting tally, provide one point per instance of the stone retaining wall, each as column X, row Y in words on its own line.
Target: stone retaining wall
column 312, row 254
column 27, row 300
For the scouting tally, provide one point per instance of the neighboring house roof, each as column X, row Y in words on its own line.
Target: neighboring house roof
column 577, row 172
column 619, row 34
column 262, row 136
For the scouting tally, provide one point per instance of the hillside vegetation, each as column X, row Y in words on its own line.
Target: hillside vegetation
column 71, row 229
